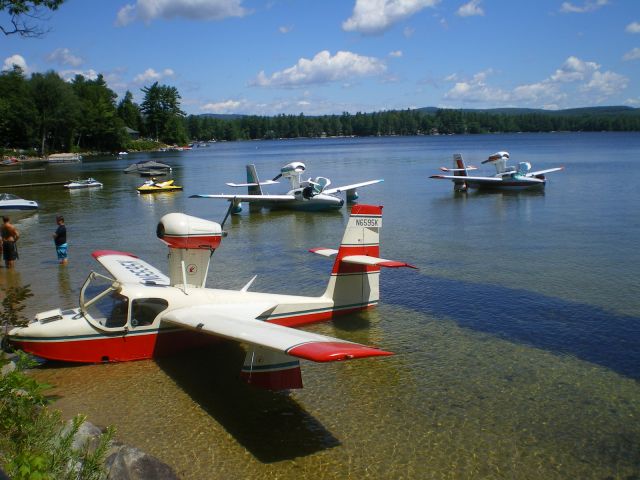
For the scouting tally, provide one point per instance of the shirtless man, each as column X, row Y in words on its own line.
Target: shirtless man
column 10, row 236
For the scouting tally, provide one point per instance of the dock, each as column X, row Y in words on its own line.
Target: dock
column 40, row 184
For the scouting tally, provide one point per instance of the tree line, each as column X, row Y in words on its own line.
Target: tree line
column 44, row 113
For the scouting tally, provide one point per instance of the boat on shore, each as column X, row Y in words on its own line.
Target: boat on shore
column 64, row 158
column 9, row 201
column 83, row 183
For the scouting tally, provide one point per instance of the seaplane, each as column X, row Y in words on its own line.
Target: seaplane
column 306, row 195
column 139, row 313
column 506, row 177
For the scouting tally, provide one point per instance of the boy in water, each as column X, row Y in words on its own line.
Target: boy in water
column 60, row 239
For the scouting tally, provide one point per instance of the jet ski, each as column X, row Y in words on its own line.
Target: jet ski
column 151, row 186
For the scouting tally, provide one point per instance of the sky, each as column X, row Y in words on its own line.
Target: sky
column 317, row 57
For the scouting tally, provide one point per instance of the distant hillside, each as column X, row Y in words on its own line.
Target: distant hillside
column 600, row 111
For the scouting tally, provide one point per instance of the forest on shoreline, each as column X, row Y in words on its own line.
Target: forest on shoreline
column 44, row 113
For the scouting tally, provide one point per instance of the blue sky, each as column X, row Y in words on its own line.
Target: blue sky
column 269, row 57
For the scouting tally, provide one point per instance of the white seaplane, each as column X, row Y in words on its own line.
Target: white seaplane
column 140, row 313
column 506, row 177
column 307, row 195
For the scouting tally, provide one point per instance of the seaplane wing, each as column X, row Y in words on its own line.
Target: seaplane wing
column 238, row 322
column 127, row 268
column 249, row 198
column 351, row 187
column 266, row 182
column 549, row 170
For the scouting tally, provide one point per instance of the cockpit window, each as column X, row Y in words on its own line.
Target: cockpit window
column 145, row 310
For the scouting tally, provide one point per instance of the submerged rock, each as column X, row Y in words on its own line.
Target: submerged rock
column 128, row 463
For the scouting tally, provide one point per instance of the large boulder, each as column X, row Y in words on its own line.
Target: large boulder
column 128, row 463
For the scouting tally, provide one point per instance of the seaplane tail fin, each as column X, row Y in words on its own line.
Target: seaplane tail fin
column 254, row 187
column 460, row 171
column 355, row 277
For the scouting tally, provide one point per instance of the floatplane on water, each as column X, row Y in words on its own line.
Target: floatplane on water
column 140, row 313
column 307, row 195
column 506, row 177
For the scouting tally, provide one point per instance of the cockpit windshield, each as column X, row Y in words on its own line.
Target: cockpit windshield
column 102, row 303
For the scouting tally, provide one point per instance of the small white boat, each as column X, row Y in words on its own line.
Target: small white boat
column 86, row 183
column 9, row 201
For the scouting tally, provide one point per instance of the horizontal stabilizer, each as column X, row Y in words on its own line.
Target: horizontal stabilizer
column 127, row 268
column 380, row 262
column 266, row 182
column 445, row 169
column 325, row 252
column 549, row 170
column 329, row 191
column 238, row 322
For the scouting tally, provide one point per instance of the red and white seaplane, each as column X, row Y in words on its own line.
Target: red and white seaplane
column 141, row 313
column 506, row 177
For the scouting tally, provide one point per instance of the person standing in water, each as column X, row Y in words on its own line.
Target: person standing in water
column 10, row 236
column 60, row 239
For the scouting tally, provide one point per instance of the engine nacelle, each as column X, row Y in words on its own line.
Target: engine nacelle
column 178, row 230
column 191, row 242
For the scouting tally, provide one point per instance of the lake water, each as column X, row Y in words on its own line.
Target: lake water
column 517, row 342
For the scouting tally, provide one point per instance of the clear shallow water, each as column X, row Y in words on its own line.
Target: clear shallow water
column 517, row 341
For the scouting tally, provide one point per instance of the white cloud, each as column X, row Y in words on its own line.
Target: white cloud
column 63, row 56
column 396, row 53
column 633, row 27
column 16, row 59
column 377, row 16
column 323, row 68
column 148, row 10
column 150, row 75
column 408, row 32
column 574, row 69
column 606, row 83
column 577, row 80
column 587, row 6
column 470, row 9
column 69, row 75
column 633, row 54
column 226, row 106
column 285, row 29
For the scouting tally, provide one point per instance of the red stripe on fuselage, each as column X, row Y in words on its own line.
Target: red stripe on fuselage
column 101, row 253
column 122, row 348
column 366, row 210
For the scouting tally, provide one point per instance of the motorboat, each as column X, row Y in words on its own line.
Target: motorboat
column 83, row 183
column 151, row 186
column 144, row 167
column 9, row 201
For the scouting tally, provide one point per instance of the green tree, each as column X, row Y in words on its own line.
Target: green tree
column 23, row 14
column 129, row 112
column 101, row 129
column 58, row 110
column 17, row 111
column 163, row 116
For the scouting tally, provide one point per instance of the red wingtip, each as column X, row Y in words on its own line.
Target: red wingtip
column 334, row 351
column 395, row 264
